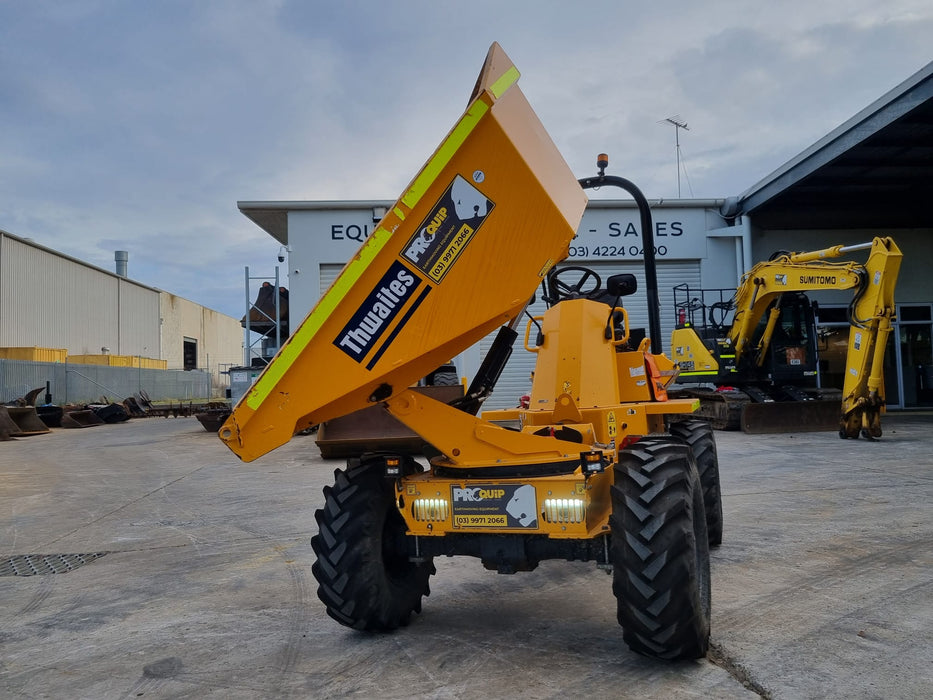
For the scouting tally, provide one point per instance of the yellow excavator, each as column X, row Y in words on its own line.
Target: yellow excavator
column 595, row 469
column 764, row 362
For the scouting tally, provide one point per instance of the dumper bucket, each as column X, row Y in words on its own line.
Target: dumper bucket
column 458, row 255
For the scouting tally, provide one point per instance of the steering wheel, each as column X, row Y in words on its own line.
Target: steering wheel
column 578, row 290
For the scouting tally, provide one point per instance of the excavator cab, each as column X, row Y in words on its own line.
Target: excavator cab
column 792, row 347
column 601, row 466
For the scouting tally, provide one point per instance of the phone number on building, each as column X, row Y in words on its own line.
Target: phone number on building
column 612, row 251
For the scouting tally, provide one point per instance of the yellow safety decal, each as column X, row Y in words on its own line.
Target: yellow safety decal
column 611, row 423
column 444, row 153
column 299, row 341
column 547, row 266
column 505, row 81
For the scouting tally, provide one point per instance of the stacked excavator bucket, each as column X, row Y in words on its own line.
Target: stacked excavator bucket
column 458, row 255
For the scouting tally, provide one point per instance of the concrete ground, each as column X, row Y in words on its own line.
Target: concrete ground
column 823, row 587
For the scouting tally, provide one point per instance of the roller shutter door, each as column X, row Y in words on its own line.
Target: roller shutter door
column 329, row 272
column 516, row 379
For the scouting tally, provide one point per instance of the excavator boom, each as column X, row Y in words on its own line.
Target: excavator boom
column 458, row 255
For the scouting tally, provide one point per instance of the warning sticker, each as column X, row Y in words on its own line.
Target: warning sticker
column 448, row 229
column 502, row 506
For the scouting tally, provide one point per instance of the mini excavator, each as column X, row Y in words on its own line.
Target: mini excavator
column 602, row 466
column 764, row 363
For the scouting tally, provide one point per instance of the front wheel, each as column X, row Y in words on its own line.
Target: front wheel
column 660, row 550
column 366, row 578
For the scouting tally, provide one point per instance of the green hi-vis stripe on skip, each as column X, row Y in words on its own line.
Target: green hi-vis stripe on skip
column 325, row 307
column 505, row 81
column 436, row 165
column 455, row 139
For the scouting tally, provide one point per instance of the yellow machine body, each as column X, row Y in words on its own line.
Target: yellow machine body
column 587, row 397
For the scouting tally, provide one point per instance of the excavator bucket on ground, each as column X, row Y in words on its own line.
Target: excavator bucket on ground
column 27, row 420
column 458, row 255
column 82, row 418
column 8, row 427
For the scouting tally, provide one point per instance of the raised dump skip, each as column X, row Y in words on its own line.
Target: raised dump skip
column 458, row 255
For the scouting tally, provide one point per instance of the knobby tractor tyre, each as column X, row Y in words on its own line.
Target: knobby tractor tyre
column 699, row 435
column 366, row 579
column 660, row 550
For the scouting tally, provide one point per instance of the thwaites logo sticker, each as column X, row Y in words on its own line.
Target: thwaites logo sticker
column 495, row 506
column 376, row 313
column 448, row 229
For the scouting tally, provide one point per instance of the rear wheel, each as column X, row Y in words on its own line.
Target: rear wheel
column 366, row 578
column 699, row 435
column 660, row 550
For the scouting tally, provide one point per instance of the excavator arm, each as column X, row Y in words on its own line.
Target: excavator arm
column 458, row 255
column 870, row 315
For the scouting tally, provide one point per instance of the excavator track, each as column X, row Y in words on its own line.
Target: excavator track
column 722, row 409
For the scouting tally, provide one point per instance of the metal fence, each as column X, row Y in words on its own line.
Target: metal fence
column 77, row 384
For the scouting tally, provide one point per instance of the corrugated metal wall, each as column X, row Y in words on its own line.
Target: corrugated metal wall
column 48, row 300
column 81, row 384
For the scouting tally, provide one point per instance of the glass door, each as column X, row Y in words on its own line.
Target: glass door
column 914, row 330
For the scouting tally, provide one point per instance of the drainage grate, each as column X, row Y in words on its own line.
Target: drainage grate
column 44, row 564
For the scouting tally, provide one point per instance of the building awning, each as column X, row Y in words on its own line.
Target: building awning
column 873, row 171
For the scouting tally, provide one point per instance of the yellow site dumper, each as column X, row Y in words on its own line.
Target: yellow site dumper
column 595, row 469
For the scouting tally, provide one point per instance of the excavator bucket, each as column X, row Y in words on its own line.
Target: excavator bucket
column 458, row 255
column 84, row 418
column 27, row 420
column 8, row 427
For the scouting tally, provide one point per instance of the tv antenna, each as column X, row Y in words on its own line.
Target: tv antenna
column 679, row 124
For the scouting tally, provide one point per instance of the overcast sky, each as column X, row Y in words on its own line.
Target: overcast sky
column 137, row 125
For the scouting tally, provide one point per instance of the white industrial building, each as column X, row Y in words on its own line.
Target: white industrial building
column 871, row 176
column 52, row 300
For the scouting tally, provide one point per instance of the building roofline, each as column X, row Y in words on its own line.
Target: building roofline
column 891, row 106
column 58, row 253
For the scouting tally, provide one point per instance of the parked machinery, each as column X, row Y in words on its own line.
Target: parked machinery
column 758, row 348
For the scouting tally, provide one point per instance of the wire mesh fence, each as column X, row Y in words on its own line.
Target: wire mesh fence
column 78, row 383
